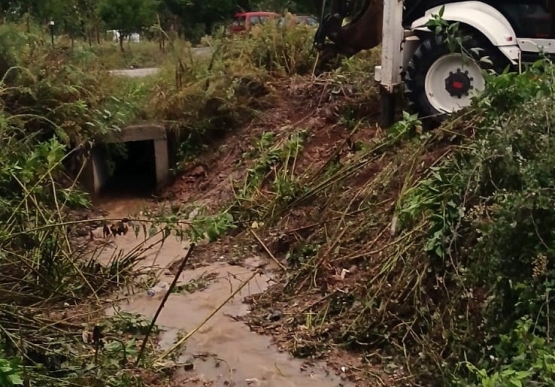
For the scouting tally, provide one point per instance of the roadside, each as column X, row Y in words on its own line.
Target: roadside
column 198, row 52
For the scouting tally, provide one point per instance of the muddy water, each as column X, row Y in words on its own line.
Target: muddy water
column 224, row 351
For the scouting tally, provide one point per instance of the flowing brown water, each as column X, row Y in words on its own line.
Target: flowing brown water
column 224, row 351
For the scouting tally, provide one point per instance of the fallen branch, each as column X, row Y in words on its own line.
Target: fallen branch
column 266, row 249
column 188, row 335
column 171, row 287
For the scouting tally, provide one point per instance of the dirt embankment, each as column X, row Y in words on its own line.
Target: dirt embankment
column 331, row 229
column 314, row 105
column 331, row 118
column 312, row 183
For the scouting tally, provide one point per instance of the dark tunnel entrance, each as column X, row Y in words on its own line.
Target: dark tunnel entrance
column 134, row 172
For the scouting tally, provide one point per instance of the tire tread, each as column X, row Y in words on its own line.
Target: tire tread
column 431, row 49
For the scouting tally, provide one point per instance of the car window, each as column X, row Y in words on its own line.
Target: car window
column 263, row 19
column 254, row 20
column 239, row 21
column 312, row 21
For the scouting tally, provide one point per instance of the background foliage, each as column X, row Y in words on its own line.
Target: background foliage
column 461, row 291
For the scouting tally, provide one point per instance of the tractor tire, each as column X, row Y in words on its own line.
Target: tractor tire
column 439, row 82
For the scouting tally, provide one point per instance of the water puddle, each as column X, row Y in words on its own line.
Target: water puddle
column 223, row 351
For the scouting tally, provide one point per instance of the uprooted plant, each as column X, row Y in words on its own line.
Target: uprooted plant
column 432, row 255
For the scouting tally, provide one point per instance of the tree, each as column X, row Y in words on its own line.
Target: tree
column 206, row 12
column 128, row 16
column 210, row 12
column 172, row 14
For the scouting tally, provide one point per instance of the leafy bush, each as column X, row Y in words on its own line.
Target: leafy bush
column 282, row 48
column 47, row 107
column 489, row 212
column 204, row 99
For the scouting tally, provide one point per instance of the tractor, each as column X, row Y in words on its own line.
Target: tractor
column 437, row 80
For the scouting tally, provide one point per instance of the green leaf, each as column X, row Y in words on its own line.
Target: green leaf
column 515, row 382
column 441, row 11
column 523, row 374
column 15, row 379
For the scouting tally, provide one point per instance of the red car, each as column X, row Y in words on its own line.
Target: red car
column 242, row 22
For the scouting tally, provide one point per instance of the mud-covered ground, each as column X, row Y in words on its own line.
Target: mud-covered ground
column 233, row 347
column 223, row 351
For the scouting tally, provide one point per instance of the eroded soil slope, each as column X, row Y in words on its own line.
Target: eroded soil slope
column 312, row 183
column 339, row 124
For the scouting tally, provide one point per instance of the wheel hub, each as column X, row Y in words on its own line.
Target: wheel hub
column 458, row 83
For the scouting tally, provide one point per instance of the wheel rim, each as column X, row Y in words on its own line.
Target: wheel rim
column 451, row 82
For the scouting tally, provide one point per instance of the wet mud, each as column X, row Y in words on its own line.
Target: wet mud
column 223, row 352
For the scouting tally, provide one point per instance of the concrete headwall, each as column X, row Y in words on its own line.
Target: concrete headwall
column 95, row 175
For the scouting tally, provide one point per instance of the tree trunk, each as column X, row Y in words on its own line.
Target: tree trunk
column 208, row 27
column 121, row 42
column 162, row 41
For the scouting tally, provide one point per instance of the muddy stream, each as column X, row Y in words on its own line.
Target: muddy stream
column 224, row 352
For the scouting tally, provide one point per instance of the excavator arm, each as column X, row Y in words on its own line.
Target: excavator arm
column 363, row 32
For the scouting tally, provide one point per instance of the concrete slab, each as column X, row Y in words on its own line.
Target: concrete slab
column 95, row 174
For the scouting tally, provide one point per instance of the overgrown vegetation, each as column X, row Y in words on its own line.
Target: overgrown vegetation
column 55, row 103
column 51, row 109
column 429, row 254
column 203, row 99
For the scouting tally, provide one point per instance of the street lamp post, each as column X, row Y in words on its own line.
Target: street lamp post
column 51, row 25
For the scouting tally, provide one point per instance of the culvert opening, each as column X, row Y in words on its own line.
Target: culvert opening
column 134, row 169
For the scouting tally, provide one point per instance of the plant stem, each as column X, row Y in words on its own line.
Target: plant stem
column 281, row 265
column 159, row 310
column 186, row 337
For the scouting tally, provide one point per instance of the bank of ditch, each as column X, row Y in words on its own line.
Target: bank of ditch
column 424, row 256
column 401, row 257
column 407, row 257
column 57, row 282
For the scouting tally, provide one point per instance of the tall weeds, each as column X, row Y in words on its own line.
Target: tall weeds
column 48, row 110
column 203, row 97
column 431, row 253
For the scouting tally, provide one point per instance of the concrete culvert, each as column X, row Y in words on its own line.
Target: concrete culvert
column 140, row 170
column 135, row 172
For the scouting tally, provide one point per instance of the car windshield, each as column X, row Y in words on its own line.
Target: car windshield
column 239, row 21
column 311, row 21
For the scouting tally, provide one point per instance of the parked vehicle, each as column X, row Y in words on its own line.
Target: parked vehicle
column 242, row 22
column 438, row 82
column 300, row 19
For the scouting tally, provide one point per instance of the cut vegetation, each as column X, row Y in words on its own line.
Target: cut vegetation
column 405, row 257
